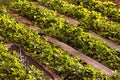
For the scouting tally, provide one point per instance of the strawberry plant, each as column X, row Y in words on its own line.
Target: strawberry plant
column 56, row 59
column 11, row 67
column 106, row 8
column 90, row 20
column 72, row 35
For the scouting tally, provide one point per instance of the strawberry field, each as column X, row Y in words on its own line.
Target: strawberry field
column 59, row 40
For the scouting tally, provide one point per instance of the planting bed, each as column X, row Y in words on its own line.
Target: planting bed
column 57, row 44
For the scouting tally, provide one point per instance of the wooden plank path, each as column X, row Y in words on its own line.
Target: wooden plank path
column 70, row 20
column 64, row 46
column 110, row 43
column 75, row 22
column 28, row 60
column 83, row 57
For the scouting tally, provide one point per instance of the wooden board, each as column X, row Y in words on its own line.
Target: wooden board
column 72, row 51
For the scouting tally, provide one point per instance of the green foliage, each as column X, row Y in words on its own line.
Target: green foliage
column 59, row 61
column 6, row 2
column 2, row 9
column 11, row 67
column 90, row 20
column 106, row 8
column 72, row 35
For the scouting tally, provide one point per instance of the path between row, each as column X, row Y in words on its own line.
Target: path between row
column 28, row 60
column 75, row 22
column 64, row 46
column 70, row 20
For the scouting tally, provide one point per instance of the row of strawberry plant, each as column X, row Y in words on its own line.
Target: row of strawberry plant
column 57, row 60
column 106, row 8
column 11, row 67
column 72, row 35
column 91, row 20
